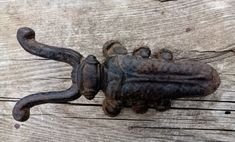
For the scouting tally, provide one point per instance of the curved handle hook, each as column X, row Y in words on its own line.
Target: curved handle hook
column 26, row 38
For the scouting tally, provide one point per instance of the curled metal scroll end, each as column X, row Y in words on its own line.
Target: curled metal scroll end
column 26, row 38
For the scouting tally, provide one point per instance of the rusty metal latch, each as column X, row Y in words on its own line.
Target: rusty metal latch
column 140, row 80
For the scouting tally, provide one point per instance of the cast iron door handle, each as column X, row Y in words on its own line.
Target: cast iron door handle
column 140, row 80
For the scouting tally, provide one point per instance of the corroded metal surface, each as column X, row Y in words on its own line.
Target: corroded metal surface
column 140, row 80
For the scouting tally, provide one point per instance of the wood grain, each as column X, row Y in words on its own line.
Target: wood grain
column 199, row 30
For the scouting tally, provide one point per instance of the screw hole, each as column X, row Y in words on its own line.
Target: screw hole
column 17, row 126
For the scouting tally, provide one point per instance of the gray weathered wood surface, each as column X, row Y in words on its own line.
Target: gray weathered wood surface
column 196, row 29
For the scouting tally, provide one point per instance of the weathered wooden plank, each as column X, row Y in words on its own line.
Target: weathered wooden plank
column 198, row 30
column 90, row 120
column 189, row 103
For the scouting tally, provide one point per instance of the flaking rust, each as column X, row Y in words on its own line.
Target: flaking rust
column 140, row 80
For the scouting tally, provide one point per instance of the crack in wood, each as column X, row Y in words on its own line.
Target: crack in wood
column 179, row 128
column 195, row 100
column 130, row 119
column 120, row 119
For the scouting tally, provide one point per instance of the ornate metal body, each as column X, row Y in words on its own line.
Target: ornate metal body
column 140, row 80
